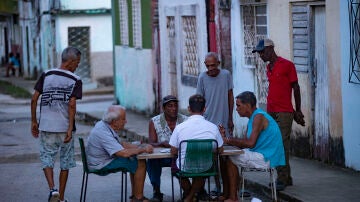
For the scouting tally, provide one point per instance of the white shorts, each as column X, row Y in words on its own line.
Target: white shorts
column 250, row 159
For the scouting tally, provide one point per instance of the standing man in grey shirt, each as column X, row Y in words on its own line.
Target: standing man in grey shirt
column 216, row 85
column 59, row 89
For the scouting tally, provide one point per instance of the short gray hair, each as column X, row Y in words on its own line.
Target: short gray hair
column 112, row 113
column 213, row 55
column 70, row 53
column 247, row 97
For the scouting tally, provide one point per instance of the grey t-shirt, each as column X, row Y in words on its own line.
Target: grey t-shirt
column 56, row 87
column 103, row 142
column 215, row 90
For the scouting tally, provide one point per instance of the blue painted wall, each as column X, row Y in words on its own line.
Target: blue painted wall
column 350, row 96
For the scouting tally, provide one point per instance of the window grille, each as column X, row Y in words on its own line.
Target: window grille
column 354, row 19
column 124, row 25
column 136, row 17
column 80, row 37
column 255, row 28
column 189, row 44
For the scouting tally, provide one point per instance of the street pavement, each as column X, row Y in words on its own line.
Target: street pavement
column 23, row 180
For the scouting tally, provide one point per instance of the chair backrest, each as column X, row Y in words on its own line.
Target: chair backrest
column 83, row 155
column 200, row 156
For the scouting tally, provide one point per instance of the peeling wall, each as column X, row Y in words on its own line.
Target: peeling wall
column 184, row 91
column 102, row 65
column 350, row 95
column 133, row 79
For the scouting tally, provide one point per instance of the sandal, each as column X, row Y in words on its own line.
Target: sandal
column 143, row 199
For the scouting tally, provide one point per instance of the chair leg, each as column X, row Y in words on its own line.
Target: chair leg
column 172, row 187
column 125, row 186
column 209, row 195
column 86, row 181
column 273, row 187
column 242, row 184
column 122, row 187
column 82, row 187
column 181, row 196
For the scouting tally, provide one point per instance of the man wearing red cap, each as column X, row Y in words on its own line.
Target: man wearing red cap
column 282, row 77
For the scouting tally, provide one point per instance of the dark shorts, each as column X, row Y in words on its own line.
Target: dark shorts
column 130, row 164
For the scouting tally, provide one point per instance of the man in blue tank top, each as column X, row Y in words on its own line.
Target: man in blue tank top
column 262, row 145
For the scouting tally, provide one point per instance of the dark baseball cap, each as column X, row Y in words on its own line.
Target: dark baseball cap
column 262, row 44
column 169, row 98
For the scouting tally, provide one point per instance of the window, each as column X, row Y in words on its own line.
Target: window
column 136, row 17
column 190, row 58
column 254, row 21
column 301, row 38
column 124, row 25
column 354, row 19
column 255, row 28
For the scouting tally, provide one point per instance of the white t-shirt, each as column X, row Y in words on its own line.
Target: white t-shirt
column 195, row 127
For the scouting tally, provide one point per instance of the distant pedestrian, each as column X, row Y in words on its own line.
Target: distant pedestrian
column 59, row 89
column 17, row 56
column 283, row 80
column 13, row 65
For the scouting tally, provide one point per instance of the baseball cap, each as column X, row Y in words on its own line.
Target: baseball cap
column 169, row 98
column 262, row 44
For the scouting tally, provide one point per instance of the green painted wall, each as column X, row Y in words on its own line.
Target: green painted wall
column 146, row 19
column 131, row 37
column 116, row 22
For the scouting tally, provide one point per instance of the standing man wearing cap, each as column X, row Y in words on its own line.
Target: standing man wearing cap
column 283, row 80
column 160, row 130
column 216, row 85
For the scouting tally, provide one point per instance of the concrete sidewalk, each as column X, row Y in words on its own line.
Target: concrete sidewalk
column 313, row 180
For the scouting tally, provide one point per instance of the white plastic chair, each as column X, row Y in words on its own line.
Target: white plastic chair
column 272, row 179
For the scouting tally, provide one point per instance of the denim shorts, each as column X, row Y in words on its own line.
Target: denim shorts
column 50, row 144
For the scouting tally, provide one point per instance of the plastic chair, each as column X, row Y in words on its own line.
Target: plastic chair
column 272, row 180
column 201, row 160
column 87, row 171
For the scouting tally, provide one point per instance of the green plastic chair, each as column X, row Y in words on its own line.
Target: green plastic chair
column 87, row 171
column 201, row 160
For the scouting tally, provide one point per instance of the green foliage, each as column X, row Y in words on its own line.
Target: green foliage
column 14, row 91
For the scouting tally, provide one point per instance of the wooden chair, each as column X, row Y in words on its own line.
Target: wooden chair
column 87, row 171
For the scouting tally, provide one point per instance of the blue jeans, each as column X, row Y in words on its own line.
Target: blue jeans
column 154, row 168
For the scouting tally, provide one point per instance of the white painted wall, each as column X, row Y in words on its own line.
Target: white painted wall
column 350, row 96
column 244, row 79
column 84, row 4
column 134, row 78
column 184, row 92
column 100, row 31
